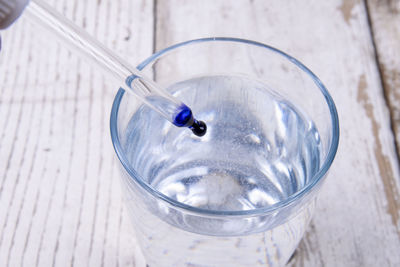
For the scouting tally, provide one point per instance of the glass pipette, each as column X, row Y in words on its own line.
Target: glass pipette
column 134, row 80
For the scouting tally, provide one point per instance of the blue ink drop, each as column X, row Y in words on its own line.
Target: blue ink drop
column 184, row 118
column 199, row 128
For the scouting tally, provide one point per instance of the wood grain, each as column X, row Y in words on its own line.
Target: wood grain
column 60, row 198
column 385, row 26
column 358, row 206
column 61, row 203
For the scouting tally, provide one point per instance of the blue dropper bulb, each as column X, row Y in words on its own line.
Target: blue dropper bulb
column 184, row 118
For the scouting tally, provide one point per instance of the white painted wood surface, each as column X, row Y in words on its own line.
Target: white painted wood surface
column 60, row 201
column 60, row 194
column 385, row 22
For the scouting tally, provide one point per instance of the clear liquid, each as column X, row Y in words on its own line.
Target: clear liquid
column 259, row 149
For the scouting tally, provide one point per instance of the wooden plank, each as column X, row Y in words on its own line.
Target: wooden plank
column 59, row 203
column 357, row 219
column 60, row 196
column 385, row 22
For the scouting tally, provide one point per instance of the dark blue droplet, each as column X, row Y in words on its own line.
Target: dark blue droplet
column 184, row 118
column 199, row 128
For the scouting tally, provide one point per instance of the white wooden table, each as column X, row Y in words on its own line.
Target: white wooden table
column 60, row 199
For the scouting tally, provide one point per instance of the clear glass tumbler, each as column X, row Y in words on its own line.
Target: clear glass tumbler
column 243, row 194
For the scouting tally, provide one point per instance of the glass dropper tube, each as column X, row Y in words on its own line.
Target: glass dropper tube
column 135, row 81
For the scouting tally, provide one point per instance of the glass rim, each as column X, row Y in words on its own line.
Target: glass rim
column 252, row 212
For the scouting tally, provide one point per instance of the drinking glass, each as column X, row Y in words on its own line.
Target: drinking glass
column 243, row 194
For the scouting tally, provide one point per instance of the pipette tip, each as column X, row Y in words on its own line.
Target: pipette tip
column 184, row 118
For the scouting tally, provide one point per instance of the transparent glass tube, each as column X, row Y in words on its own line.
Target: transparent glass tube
column 135, row 82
